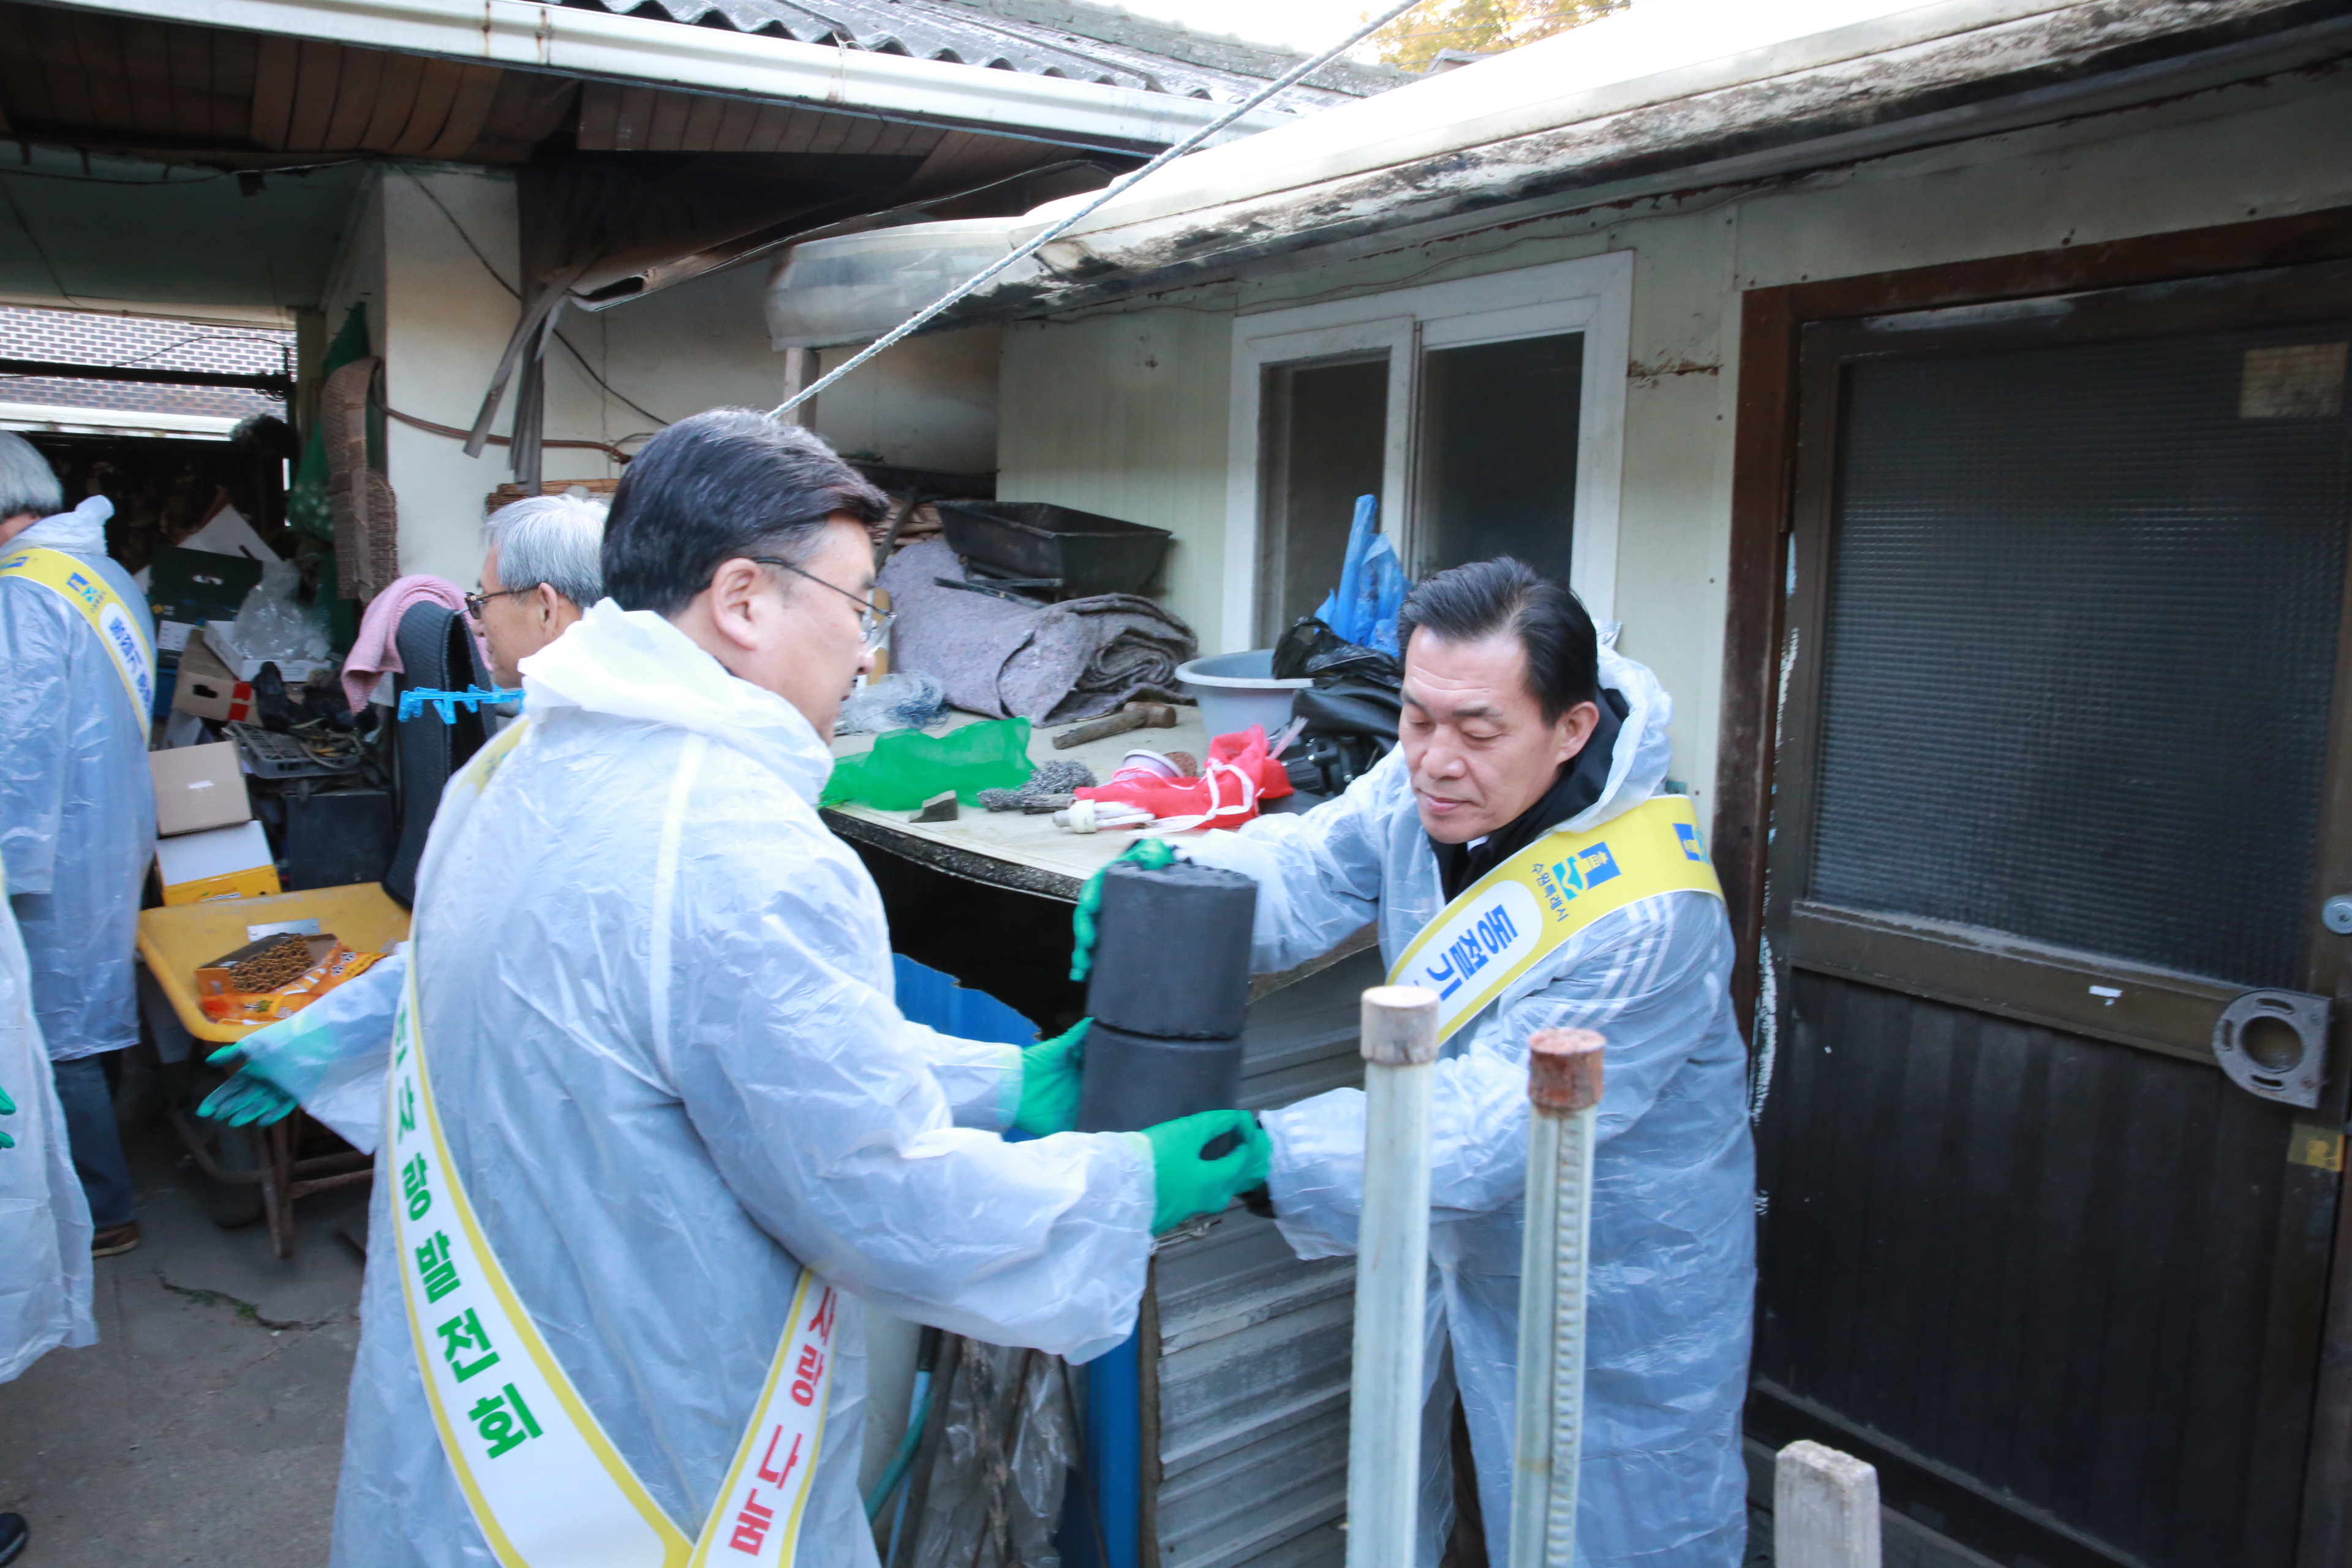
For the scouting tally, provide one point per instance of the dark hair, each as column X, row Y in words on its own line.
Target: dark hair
column 1466, row 604
column 720, row 484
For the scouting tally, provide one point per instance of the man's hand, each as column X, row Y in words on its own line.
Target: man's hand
column 247, row 1099
column 1051, row 1073
column 1200, row 1164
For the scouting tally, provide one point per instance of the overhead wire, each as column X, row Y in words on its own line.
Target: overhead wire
column 499, row 278
column 1116, row 188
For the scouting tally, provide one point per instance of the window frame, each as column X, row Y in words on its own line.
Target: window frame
column 1593, row 296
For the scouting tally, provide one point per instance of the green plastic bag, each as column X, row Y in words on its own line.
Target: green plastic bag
column 907, row 767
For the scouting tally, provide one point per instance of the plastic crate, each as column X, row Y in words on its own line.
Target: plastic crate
column 270, row 755
column 1068, row 554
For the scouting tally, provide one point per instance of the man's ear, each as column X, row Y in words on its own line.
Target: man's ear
column 549, row 603
column 1575, row 729
column 735, row 601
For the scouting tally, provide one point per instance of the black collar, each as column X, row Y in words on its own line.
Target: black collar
column 1582, row 779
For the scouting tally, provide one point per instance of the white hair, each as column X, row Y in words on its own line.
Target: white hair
column 27, row 483
column 555, row 539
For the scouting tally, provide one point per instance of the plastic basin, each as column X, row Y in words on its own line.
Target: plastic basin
column 1236, row 690
column 175, row 941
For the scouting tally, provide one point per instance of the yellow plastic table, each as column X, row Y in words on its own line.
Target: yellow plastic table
column 175, row 941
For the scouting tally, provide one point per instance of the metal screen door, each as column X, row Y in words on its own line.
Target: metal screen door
column 2060, row 778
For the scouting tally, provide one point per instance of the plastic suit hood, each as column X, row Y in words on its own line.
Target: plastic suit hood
column 77, row 801
column 1673, row 1224
column 654, row 998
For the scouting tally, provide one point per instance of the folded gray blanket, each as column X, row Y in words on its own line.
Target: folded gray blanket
column 1050, row 664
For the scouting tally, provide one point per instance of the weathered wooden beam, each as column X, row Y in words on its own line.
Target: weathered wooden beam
column 1824, row 1508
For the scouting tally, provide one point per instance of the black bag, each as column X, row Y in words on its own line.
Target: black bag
column 1351, row 712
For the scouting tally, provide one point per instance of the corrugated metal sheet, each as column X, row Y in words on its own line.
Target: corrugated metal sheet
column 1254, row 1355
column 963, row 35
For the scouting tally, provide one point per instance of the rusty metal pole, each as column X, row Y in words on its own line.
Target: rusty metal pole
column 1564, row 1083
column 1400, row 1045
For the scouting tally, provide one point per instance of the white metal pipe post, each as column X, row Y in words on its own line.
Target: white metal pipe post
column 1564, row 1082
column 1400, row 1043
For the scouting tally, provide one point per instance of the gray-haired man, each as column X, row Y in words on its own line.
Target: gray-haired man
column 542, row 572
column 77, row 802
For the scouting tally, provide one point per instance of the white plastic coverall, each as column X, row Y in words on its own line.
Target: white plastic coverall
column 1674, row 1220
column 44, row 1267
column 655, row 999
column 77, row 801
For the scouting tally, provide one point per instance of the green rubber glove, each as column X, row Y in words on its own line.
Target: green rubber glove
column 1200, row 1164
column 247, row 1099
column 1050, row 1076
column 1150, row 854
column 7, row 1108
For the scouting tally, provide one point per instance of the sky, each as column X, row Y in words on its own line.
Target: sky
column 1302, row 25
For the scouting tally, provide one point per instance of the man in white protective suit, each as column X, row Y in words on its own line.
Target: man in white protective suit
column 77, row 801
column 650, row 1106
column 1526, row 752
column 45, row 1263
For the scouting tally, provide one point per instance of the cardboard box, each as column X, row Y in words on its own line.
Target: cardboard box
column 294, row 671
column 198, row 788
column 219, row 863
column 208, row 688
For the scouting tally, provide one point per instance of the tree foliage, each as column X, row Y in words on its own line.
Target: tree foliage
column 1480, row 28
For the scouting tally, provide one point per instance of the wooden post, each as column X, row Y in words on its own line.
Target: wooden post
column 1824, row 1508
column 1565, row 1079
column 1400, row 1046
column 800, row 369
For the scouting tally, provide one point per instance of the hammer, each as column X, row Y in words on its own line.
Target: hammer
column 1134, row 716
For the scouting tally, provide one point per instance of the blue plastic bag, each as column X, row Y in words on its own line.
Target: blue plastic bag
column 1372, row 587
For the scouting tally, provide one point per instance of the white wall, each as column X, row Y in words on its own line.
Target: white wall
column 1124, row 412
column 1125, row 415
column 447, row 317
column 444, row 320
column 926, row 403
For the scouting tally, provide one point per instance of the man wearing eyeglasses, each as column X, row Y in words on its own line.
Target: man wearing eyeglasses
column 542, row 573
column 652, row 1103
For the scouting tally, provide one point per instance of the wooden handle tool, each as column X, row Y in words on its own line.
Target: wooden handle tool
column 1134, row 716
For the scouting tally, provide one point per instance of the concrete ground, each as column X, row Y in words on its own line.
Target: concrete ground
column 205, row 1426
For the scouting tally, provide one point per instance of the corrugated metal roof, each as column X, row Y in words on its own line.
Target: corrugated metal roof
column 967, row 35
column 1659, row 97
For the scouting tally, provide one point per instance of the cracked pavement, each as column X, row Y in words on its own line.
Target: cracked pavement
column 205, row 1426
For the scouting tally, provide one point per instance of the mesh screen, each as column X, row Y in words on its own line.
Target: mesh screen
column 2081, row 643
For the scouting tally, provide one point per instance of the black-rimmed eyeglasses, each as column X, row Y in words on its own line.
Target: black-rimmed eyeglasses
column 475, row 600
column 873, row 621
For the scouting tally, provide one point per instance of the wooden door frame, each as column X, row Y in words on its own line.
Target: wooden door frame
column 1763, row 514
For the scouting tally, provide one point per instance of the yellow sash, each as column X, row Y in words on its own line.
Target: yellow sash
column 86, row 589
column 544, row 1482
column 1509, row 920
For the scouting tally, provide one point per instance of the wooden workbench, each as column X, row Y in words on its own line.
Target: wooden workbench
column 1029, row 854
column 1006, row 849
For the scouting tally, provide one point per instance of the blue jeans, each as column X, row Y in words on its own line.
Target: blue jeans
column 97, row 1145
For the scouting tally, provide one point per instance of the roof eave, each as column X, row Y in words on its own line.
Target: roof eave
column 1759, row 132
column 597, row 45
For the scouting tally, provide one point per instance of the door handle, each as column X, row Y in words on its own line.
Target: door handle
column 2273, row 1045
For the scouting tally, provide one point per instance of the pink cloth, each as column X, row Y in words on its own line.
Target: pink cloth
column 377, row 648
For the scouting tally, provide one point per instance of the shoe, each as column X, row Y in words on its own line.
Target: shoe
column 14, row 1533
column 110, row 1242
